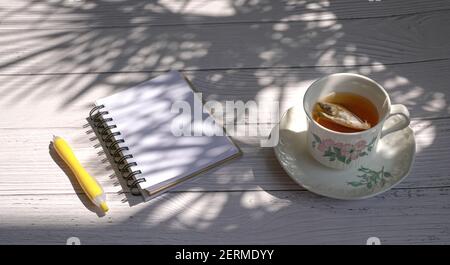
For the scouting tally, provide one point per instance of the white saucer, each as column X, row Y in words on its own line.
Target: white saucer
column 391, row 163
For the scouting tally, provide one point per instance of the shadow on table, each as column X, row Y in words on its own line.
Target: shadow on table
column 250, row 50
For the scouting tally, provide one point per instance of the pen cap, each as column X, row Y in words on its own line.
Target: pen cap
column 100, row 201
column 104, row 206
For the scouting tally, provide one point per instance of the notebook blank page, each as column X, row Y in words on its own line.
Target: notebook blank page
column 144, row 118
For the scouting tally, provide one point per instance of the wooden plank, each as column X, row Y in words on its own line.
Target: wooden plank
column 65, row 100
column 72, row 14
column 250, row 200
column 415, row 216
column 28, row 167
column 301, row 44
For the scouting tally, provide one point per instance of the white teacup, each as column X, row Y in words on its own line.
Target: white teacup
column 350, row 150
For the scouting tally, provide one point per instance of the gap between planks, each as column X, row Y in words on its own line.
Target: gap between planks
column 300, row 189
column 36, row 15
column 306, row 44
column 212, row 69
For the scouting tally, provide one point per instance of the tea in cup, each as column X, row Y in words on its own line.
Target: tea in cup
column 345, row 115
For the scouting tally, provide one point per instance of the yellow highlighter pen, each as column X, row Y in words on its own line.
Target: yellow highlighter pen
column 90, row 185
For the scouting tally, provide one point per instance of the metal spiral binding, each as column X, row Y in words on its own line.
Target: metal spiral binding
column 133, row 185
column 112, row 142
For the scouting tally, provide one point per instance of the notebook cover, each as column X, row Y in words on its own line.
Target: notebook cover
column 145, row 116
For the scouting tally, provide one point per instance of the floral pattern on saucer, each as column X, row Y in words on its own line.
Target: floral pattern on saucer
column 371, row 178
column 342, row 152
column 393, row 156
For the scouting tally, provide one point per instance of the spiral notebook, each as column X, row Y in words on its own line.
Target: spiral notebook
column 150, row 134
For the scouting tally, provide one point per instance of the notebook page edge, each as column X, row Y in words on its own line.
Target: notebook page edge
column 147, row 195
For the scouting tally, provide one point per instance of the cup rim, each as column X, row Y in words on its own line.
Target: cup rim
column 380, row 122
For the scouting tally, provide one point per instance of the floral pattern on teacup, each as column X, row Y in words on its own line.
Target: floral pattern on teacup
column 371, row 178
column 342, row 152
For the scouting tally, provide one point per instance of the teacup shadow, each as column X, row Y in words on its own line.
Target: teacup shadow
column 76, row 186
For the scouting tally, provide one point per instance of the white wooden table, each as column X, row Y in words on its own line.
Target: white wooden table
column 57, row 57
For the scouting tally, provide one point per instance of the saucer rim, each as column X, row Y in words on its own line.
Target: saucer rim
column 354, row 198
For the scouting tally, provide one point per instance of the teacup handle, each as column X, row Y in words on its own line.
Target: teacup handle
column 397, row 110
